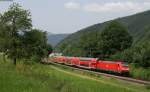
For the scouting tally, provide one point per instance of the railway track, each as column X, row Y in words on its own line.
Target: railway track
column 104, row 74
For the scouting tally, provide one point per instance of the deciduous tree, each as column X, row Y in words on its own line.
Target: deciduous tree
column 13, row 23
column 114, row 38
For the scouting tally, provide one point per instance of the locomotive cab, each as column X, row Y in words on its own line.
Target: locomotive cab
column 124, row 67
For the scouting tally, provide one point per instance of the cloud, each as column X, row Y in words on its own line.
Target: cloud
column 128, row 6
column 111, row 7
column 72, row 5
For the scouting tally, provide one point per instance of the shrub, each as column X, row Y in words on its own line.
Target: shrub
column 139, row 72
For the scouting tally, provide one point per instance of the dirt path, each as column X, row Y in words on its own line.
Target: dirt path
column 94, row 79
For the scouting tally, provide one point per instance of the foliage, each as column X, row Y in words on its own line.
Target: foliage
column 88, row 44
column 70, row 50
column 4, row 36
column 17, row 38
column 139, row 72
column 114, row 38
column 14, row 21
column 35, row 44
column 140, row 54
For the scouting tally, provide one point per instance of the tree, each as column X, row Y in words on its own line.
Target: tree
column 4, row 37
column 14, row 22
column 114, row 38
column 17, row 38
column 139, row 54
column 88, row 44
column 35, row 44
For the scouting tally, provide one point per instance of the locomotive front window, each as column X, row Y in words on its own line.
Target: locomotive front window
column 125, row 65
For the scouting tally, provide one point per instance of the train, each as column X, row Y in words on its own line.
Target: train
column 92, row 63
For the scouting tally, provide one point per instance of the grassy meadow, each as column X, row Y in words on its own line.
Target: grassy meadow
column 47, row 78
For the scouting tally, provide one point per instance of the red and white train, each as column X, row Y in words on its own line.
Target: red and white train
column 92, row 63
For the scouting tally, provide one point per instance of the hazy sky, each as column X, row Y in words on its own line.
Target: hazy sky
column 68, row 16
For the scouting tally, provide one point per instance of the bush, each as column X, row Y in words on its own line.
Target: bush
column 139, row 72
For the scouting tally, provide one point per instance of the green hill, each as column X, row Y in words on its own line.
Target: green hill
column 145, row 37
column 136, row 24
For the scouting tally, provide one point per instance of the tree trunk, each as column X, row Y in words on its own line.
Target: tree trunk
column 15, row 61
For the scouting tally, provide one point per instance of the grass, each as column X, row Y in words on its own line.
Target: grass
column 111, row 81
column 46, row 78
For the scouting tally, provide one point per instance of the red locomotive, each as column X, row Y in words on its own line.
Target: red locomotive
column 93, row 63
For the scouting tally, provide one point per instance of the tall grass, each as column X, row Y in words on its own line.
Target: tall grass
column 43, row 78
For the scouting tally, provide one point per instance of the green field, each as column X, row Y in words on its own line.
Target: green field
column 47, row 78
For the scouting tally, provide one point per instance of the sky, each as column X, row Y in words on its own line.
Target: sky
column 68, row 16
